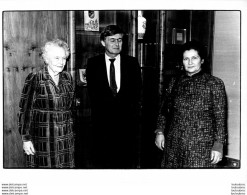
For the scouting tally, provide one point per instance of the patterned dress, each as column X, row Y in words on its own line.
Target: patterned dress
column 45, row 118
column 197, row 120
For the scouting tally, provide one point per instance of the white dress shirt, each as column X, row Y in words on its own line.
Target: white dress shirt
column 117, row 69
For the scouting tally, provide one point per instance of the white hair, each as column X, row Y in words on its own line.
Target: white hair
column 57, row 43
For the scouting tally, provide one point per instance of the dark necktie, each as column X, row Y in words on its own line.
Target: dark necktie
column 113, row 84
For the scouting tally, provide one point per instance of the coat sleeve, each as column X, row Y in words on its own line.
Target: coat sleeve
column 220, row 114
column 25, row 107
column 164, row 108
column 71, row 84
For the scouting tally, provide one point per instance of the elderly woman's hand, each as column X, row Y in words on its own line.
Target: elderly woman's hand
column 160, row 140
column 216, row 157
column 28, row 148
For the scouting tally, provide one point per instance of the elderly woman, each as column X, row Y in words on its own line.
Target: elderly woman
column 45, row 117
column 191, row 126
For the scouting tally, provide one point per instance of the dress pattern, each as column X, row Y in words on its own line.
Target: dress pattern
column 45, row 118
column 197, row 120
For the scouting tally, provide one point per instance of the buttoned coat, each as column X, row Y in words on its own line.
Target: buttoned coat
column 45, row 118
column 196, row 121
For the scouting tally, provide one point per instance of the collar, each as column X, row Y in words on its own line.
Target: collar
column 47, row 76
column 194, row 75
column 46, row 73
column 116, row 58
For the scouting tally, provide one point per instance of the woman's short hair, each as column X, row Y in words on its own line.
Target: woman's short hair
column 197, row 46
column 109, row 31
column 56, row 43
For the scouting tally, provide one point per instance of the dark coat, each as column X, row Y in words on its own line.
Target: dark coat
column 196, row 123
column 114, row 117
column 45, row 118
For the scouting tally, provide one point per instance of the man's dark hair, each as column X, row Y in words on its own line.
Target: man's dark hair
column 109, row 31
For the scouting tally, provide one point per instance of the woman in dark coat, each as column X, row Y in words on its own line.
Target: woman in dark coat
column 45, row 117
column 194, row 134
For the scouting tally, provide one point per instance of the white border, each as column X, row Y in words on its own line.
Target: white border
column 124, row 182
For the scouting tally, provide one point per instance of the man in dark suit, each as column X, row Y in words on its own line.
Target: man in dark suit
column 114, row 87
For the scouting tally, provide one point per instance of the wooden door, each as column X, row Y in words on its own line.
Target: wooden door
column 25, row 32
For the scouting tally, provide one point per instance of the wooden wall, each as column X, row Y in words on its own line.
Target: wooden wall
column 226, row 65
column 23, row 36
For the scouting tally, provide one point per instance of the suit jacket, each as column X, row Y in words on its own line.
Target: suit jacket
column 123, row 108
column 114, row 118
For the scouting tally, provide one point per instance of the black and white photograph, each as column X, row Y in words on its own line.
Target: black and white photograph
column 136, row 100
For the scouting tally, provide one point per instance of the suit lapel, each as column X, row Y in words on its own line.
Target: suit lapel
column 102, row 70
column 102, row 74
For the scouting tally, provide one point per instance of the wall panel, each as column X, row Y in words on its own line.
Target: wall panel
column 226, row 65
